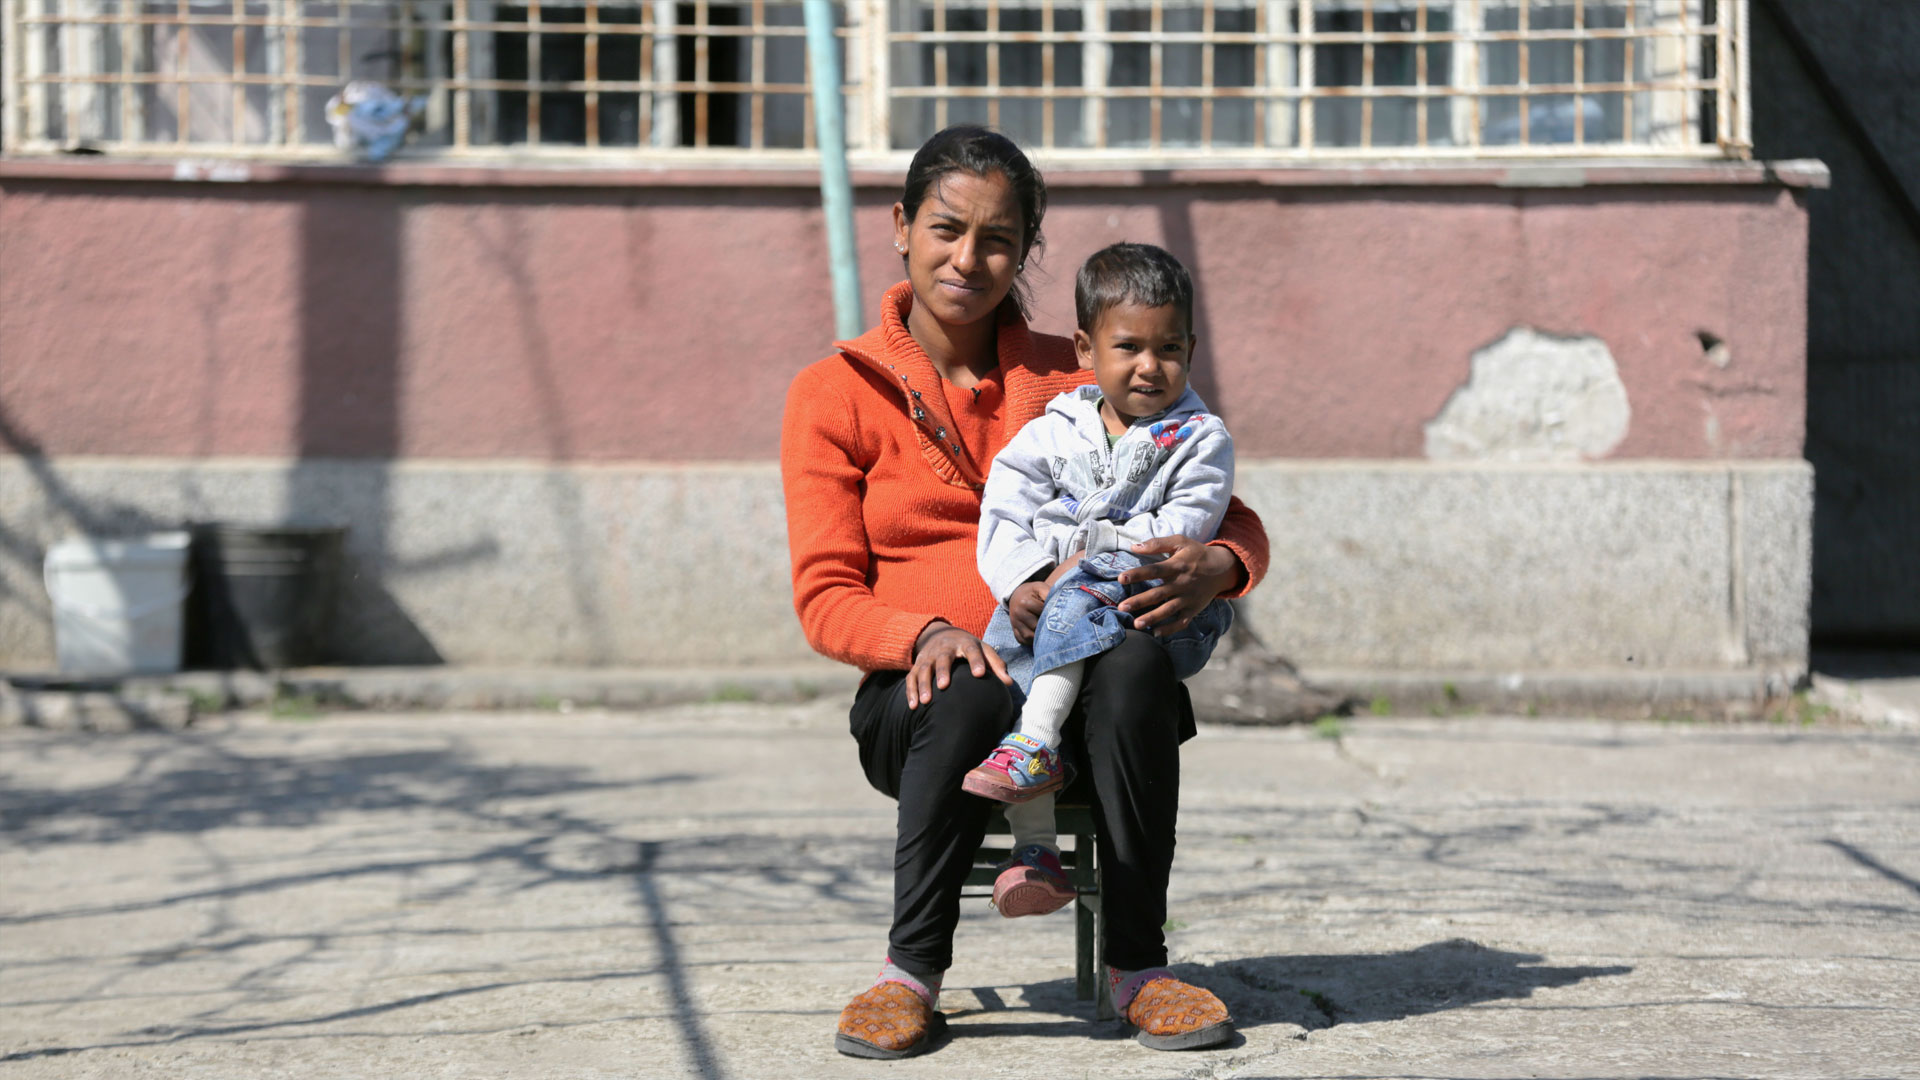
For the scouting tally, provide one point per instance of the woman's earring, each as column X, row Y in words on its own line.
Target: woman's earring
column 1020, row 269
column 897, row 246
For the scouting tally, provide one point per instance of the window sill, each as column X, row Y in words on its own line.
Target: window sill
column 1568, row 173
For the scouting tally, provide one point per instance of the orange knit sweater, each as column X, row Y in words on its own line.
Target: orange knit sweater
column 883, row 490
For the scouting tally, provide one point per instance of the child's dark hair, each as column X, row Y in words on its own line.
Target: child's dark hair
column 1126, row 273
column 979, row 151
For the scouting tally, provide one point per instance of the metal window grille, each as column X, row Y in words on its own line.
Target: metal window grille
column 1165, row 80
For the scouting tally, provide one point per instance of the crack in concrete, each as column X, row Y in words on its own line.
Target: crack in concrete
column 1378, row 772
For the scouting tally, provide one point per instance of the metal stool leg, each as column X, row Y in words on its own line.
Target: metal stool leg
column 1090, row 976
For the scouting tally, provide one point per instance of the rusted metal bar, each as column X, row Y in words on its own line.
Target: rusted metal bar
column 1627, row 72
column 1155, row 75
column 1266, row 69
column 535, row 66
column 648, row 12
column 702, row 70
column 1207, row 23
column 590, row 63
column 993, row 62
column 1526, row 52
column 1048, row 137
column 940, row 65
column 1579, row 73
column 757, row 71
column 1420, row 76
column 1366, row 72
column 1309, row 82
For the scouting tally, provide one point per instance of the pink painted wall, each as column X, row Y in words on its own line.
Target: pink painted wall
column 148, row 317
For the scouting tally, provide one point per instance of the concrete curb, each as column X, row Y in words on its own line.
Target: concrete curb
column 49, row 701
column 171, row 701
column 1561, row 690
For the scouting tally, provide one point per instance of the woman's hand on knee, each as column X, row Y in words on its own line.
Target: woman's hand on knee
column 940, row 646
column 1190, row 576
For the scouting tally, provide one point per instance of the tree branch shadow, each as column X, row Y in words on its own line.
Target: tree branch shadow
column 528, row 832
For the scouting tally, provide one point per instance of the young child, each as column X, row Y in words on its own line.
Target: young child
column 1107, row 466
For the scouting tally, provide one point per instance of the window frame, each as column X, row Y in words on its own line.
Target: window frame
column 874, row 32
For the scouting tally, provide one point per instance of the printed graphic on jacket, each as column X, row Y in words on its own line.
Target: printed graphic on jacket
column 1094, row 475
column 1060, row 487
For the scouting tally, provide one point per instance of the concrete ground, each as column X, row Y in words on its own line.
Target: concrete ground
column 694, row 891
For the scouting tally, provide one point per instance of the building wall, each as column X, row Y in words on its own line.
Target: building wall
column 548, row 409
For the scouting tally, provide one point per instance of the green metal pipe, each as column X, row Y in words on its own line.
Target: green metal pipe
column 836, row 184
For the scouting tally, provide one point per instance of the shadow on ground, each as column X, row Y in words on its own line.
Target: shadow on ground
column 1310, row 992
column 516, row 828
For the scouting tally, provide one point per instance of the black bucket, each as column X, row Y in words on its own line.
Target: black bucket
column 264, row 595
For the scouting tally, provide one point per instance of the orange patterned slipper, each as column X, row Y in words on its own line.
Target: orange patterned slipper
column 888, row 1020
column 1174, row 1015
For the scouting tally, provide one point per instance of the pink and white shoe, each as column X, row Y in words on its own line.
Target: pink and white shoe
column 1020, row 768
column 1031, row 883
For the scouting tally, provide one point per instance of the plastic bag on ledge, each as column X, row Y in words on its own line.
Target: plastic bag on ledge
column 368, row 117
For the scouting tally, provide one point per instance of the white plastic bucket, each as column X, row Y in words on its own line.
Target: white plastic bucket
column 118, row 604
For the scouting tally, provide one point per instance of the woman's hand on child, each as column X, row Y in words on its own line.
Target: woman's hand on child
column 1190, row 576
column 939, row 645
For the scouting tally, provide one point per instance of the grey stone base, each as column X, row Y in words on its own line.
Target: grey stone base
column 1380, row 566
column 1636, row 566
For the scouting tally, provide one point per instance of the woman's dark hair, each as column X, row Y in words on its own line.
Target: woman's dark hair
column 1127, row 273
column 979, row 151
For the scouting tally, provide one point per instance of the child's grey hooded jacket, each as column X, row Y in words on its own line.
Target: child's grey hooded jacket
column 1057, row 487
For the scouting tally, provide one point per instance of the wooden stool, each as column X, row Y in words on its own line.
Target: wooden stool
column 1082, row 864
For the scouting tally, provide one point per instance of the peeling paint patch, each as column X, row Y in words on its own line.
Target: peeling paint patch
column 1534, row 397
column 219, row 172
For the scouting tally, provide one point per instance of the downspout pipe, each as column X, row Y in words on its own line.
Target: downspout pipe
column 836, row 184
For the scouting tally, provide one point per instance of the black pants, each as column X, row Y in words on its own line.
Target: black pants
column 1123, row 738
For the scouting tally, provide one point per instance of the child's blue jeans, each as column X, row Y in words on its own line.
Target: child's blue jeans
column 1082, row 619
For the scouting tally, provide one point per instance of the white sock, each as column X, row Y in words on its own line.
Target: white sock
column 1032, row 823
column 1041, row 719
column 1049, row 702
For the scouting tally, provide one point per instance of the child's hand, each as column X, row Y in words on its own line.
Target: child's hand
column 1023, row 609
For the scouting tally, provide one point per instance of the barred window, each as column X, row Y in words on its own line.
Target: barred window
column 1177, row 81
